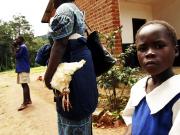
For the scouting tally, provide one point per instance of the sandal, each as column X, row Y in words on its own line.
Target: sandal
column 22, row 107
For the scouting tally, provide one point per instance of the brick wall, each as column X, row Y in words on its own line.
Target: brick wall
column 102, row 15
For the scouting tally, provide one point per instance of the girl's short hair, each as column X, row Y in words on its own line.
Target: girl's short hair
column 171, row 32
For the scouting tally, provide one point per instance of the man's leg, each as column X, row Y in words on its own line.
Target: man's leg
column 26, row 94
column 23, row 79
column 26, row 97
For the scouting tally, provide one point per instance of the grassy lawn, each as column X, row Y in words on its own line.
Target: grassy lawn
column 38, row 69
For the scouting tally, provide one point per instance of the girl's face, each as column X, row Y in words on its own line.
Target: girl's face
column 155, row 51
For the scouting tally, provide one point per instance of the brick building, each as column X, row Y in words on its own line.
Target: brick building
column 108, row 15
column 101, row 15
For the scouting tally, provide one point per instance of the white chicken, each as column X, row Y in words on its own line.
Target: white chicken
column 62, row 77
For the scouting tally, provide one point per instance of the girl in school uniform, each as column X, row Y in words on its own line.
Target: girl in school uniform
column 153, row 107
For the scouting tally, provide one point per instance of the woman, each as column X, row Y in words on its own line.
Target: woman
column 67, row 29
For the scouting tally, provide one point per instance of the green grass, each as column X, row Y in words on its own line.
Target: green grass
column 38, row 69
column 9, row 72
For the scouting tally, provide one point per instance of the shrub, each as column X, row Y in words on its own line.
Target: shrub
column 118, row 80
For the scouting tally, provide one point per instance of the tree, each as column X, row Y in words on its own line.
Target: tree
column 8, row 32
column 36, row 43
column 5, row 32
column 20, row 26
column 6, row 60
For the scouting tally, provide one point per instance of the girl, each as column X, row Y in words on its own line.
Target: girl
column 153, row 107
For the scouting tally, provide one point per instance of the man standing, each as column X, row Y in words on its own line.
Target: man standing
column 22, row 70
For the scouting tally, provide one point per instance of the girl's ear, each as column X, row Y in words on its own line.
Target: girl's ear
column 176, row 51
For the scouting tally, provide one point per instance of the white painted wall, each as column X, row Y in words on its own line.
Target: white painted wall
column 168, row 10
column 129, row 10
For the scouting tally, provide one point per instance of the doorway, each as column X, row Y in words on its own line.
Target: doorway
column 137, row 23
column 132, row 60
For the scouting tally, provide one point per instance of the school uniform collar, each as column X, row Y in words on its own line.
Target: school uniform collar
column 163, row 94
column 159, row 97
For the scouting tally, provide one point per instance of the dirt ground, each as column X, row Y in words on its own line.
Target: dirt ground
column 40, row 117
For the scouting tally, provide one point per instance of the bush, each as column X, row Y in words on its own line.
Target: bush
column 118, row 80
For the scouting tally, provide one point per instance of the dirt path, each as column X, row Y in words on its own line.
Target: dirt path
column 39, row 118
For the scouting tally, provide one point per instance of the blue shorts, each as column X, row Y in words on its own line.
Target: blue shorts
column 70, row 127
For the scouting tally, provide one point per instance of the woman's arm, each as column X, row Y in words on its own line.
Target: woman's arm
column 57, row 52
